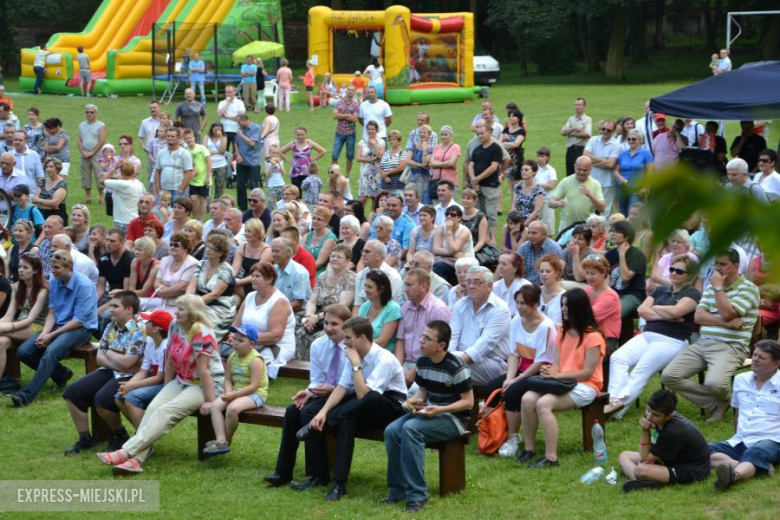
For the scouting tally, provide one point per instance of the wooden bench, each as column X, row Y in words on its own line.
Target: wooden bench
column 295, row 369
column 87, row 352
column 452, row 453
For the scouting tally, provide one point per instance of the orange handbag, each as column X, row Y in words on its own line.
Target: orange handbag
column 492, row 427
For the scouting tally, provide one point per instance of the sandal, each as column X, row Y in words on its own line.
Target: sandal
column 87, row 202
column 613, row 406
column 216, row 448
column 128, row 467
column 114, row 458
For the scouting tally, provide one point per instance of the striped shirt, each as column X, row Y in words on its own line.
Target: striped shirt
column 744, row 297
column 444, row 382
column 390, row 161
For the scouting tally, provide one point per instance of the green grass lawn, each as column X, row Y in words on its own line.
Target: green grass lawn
column 35, row 437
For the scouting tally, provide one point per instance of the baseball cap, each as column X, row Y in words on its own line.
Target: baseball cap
column 21, row 189
column 659, row 116
column 161, row 319
column 246, row 330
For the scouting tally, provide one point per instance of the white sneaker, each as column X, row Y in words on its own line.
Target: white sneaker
column 509, row 448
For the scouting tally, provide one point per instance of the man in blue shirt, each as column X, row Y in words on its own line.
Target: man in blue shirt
column 72, row 318
column 249, row 83
column 249, row 157
column 198, row 76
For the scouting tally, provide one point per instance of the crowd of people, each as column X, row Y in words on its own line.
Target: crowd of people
column 402, row 296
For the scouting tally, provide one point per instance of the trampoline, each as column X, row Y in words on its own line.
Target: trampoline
column 174, row 81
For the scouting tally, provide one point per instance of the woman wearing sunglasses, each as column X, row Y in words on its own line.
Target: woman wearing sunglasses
column 669, row 313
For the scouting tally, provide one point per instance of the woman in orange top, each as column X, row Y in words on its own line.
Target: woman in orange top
column 581, row 349
column 308, row 82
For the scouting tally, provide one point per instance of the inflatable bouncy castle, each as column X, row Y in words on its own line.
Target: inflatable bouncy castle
column 428, row 58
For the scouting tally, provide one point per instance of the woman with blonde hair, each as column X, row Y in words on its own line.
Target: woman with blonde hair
column 194, row 376
column 337, row 182
column 144, row 267
column 79, row 224
column 320, row 241
column 249, row 253
column 280, row 219
column 194, row 231
column 214, row 282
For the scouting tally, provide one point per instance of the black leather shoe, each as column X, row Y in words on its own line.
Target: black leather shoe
column 336, row 493
column 276, row 480
column 413, row 507
column 310, row 483
column 544, row 462
column 307, row 433
column 526, row 456
column 390, row 500
column 62, row 384
column 81, row 445
column 117, row 440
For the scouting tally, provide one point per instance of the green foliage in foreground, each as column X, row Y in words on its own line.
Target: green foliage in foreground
column 231, row 486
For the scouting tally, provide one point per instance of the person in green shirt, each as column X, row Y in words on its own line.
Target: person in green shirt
column 200, row 182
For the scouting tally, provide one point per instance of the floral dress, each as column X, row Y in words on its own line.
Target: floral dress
column 301, row 160
column 222, row 310
column 524, row 203
column 368, row 184
column 35, row 138
column 394, row 250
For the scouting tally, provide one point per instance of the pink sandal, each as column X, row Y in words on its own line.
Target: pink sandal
column 128, row 467
column 114, row 458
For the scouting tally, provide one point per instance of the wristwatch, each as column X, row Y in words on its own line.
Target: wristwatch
column 717, row 288
column 357, row 368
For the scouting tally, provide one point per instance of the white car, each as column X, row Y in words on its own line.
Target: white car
column 486, row 68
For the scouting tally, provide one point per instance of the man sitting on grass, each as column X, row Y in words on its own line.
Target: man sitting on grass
column 671, row 449
column 755, row 446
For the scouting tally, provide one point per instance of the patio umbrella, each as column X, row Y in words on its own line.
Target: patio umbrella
column 262, row 50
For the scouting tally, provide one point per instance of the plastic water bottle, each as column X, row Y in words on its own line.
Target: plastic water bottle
column 599, row 444
column 592, row 476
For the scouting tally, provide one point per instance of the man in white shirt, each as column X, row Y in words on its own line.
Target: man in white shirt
column 373, row 256
column 446, row 194
column 603, row 151
column 81, row 262
column 229, row 109
column 646, row 126
column 234, row 226
column 27, row 160
column 724, row 63
column 326, row 364
column 377, row 110
column 755, row 447
column 217, row 208
column 369, row 395
column 146, row 133
column 577, row 130
column 480, row 328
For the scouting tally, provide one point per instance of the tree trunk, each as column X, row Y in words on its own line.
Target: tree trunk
column 588, row 45
column 709, row 27
column 638, row 36
column 658, row 37
column 770, row 43
column 617, row 43
column 522, row 54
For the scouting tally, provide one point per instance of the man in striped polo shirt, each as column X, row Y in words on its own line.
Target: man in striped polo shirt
column 442, row 407
column 727, row 313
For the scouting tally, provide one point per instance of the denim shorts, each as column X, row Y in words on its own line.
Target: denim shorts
column 141, row 397
column 763, row 454
column 257, row 399
column 338, row 144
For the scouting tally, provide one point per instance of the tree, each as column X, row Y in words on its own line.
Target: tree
column 617, row 42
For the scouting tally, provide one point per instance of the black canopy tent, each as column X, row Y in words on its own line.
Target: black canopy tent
column 749, row 93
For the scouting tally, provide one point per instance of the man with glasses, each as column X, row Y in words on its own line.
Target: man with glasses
column 480, row 328
column 373, row 257
column 146, row 134
column 258, row 208
column 91, row 138
column 603, row 151
column 28, row 160
column 145, row 213
column 174, row 168
column 71, row 320
column 767, row 177
column 577, row 131
column 727, row 313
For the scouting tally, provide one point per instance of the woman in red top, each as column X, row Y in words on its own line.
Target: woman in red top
column 581, row 348
column 604, row 300
column 144, row 267
column 308, row 82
